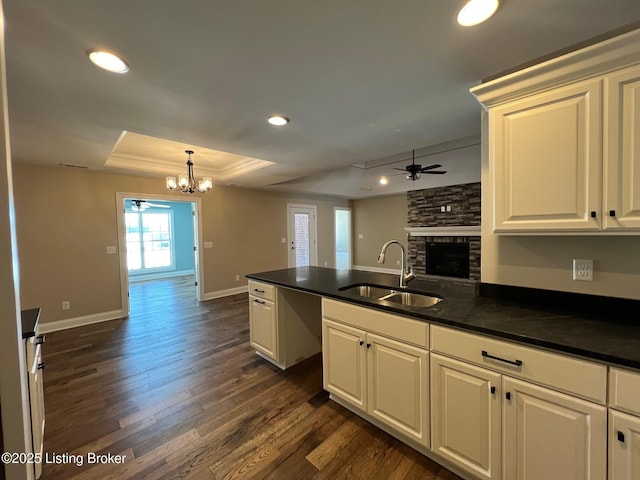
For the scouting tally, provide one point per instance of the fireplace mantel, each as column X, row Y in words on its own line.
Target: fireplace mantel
column 455, row 231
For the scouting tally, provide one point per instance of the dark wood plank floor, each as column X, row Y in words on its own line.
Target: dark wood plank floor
column 178, row 390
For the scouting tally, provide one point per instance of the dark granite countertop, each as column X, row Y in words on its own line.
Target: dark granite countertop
column 29, row 319
column 611, row 338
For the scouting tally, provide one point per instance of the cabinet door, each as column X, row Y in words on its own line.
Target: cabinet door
column 344, row 362
column 624, row 446
column 466, row 416
column 551, row 435
column 398, row 393
column 263, row 326
column 622, row 150
column 546, row 159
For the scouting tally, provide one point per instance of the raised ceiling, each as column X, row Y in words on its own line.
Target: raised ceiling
column 363, row 82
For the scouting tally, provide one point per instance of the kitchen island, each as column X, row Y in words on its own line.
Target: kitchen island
column 493, row 382
column 612, row 337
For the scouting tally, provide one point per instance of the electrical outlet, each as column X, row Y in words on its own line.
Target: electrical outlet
column 443, row 209
column 237, row 278
column 582, row 269
column 66, row 305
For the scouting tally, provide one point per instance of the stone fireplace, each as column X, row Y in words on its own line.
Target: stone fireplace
column 441, row 218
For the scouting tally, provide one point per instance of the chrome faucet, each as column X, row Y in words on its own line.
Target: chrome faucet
column 406, row 273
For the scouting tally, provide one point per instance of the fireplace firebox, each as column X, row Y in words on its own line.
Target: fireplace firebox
column 448, row 259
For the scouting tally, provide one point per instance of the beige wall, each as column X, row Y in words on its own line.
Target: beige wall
column 66, row 218
column 546, row 261
column 378, row 220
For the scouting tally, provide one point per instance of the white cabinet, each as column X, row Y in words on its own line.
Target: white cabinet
column 263, row 326
column 344, row 362
column 383, row 379
column 563, row 143
column 398, row 386
column 624, row 424
column 622, row 149
column 541, row 432
column 466, row 416
column 547, row 160
column 624, row 446
column 285, row 325
column 551, row 435
column 263, row 323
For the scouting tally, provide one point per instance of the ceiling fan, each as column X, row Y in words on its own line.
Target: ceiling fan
column 414, row 171
column 139, row 205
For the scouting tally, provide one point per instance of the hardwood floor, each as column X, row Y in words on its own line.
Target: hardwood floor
column 178, row 390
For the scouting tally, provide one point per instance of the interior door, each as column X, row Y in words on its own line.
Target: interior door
column 302, row 235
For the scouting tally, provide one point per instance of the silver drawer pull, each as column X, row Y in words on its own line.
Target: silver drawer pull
column 260, row 302
column 517, row 363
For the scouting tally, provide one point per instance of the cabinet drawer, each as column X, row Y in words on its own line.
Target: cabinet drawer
column 262, row 290
column 415, row 332
column 578, row 377
column 624, row 390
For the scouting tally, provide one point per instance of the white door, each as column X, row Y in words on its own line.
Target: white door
column 552, row 436
column 302, row 235
column 466, row 421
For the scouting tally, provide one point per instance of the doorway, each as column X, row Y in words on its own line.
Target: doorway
column 158, row 238
column 302, row 241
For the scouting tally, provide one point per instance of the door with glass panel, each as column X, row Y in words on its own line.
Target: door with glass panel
column 302, row 235
column 343, row 237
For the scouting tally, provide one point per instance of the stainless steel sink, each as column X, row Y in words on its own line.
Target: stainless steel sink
column 369, row 291
column 411, row 299
column 377, row 292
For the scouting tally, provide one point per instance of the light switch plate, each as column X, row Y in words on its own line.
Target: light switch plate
column 208, row 244
column 111, row 249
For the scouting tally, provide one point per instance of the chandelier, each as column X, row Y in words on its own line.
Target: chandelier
column 187, row 183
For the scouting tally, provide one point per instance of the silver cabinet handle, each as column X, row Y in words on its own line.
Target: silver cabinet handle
column 259, row 291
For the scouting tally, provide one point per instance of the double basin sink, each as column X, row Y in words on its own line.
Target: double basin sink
column 403, row 297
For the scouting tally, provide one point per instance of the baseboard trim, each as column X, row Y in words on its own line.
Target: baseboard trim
column 225, row 293
column 156, row 276
column 392, row 271
column 67, row 323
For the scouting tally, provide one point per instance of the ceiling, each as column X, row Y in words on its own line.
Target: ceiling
column 364, row 83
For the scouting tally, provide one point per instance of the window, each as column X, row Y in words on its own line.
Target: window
column 343, row 237
column 149, row 241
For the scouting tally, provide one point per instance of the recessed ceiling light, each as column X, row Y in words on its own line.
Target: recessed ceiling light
column 277, row 120
column 383, row 180
column 477, row 11
column 108, row 61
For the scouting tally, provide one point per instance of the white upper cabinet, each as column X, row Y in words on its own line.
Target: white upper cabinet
column 564, row 142
column 622, row 150
column 547, row 160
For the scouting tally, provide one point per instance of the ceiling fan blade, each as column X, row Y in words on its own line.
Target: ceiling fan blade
column 157, row 205
column 401, row 169
column 439, row 172
column 430, row 167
